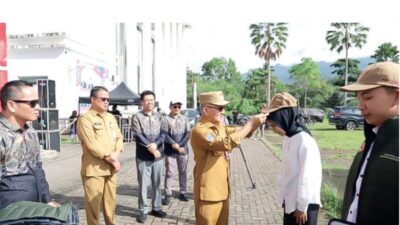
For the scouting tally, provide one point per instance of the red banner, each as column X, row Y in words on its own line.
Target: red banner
column 3, row 54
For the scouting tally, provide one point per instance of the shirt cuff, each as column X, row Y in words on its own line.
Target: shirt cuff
column 302, row 206
column 235, row 139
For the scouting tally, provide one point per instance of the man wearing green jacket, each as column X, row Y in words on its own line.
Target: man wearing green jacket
column 372, row 189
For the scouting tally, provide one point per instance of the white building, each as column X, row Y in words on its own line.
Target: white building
column 151, row 57
column 147, row 56
column 55, row 56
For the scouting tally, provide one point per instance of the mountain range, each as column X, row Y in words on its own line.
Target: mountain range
column 282, row 71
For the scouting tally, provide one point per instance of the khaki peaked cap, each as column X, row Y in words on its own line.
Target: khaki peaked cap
column 376, row 75
column 213, row 97
column 281, row 100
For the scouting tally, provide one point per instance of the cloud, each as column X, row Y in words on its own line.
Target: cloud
column 209, row 40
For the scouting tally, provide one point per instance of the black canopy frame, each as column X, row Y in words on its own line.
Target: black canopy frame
column 121, row 95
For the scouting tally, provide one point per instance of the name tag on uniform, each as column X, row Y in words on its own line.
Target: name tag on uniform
column 97, row 123
column 210, row 137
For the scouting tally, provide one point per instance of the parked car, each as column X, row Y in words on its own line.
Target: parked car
column 192, row 115
column 312, row 115
column 347, row 118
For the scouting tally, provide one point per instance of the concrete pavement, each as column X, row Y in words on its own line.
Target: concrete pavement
column 247, row 205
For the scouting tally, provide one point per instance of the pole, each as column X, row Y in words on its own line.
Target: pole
column 248, row 171
column 194, row 95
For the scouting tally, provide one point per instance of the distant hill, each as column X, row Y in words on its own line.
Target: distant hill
column 282, row 71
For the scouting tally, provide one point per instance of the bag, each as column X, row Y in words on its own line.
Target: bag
column 36, row 213
column 339, row 222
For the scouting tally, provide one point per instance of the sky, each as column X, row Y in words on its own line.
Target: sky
column 218, row 28
column 305, row 39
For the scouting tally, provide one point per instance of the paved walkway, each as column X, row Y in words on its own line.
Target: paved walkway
column 247, row 205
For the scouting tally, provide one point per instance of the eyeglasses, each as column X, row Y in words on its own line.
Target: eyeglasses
column 219, row 108
column 31, row 103
column 104, row 99
column 176, row 106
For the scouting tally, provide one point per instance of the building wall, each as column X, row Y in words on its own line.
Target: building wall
column 155, row 60
column 148, row 56
column 75, row 70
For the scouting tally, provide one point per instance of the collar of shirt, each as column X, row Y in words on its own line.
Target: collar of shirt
column 375, row 130
column 175, row 117
column 97, row 113
column 206, row 123
column 12, row 126
column 148, row 113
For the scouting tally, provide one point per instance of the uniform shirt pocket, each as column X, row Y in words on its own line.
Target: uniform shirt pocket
column 99, row 130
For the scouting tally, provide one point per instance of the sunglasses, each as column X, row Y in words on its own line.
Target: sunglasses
column 176, row 106
column 104, row 99
column 31, row 103
column 219, row 108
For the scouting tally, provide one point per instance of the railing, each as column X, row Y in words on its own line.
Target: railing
column 124, row 125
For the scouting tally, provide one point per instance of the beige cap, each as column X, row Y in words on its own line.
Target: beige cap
column 214, row 97
column 376, row 75
column 281, row 100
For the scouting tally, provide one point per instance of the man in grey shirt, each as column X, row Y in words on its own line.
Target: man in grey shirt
column 146, row 125
column 176, row 130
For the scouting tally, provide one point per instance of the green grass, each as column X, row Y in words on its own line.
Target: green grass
column 329, row 138
column 274, row 147
column 332, row 203
column 67, row 140
column 328, row 166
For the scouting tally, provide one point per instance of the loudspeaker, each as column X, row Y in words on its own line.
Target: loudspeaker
column 50, row 140
column 47, row 93
column 48, row 120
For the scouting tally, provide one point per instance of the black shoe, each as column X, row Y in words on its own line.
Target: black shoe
column 166, row 200
column 158, row 213
column 183, row 197
column 142, row 218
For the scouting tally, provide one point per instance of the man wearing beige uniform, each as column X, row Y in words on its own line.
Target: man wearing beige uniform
column 211, row 141
column 101, row 142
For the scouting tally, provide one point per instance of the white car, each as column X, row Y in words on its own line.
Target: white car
column 192, row 115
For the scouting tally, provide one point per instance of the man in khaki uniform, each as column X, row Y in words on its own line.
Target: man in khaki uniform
column 211, row 142
column 101, row 142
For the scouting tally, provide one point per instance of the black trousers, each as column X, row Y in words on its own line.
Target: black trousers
column 312, row 216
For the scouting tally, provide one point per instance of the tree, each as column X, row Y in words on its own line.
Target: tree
column 277, row 85
column 254, row 85
column 386, row 52
column 191, row 78
column 269, row 40
column 305, row 75
column 343, row 37
column 340, row 70
column 220, row 68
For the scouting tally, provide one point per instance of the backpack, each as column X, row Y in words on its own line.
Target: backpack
column 37, row 213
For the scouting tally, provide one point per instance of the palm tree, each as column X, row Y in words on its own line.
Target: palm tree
column 340, row 70
column 343, row 37
column 269, row 40
column 386, row 52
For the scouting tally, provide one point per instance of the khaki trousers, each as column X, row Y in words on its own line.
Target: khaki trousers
column 100, row 192
column 211, row 213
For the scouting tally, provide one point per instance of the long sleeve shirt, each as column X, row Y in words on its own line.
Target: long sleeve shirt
column 147, row 130
column 100, row 136
column 302, row 173
column 210, row 142
column 21, row 169
column 176, row 130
